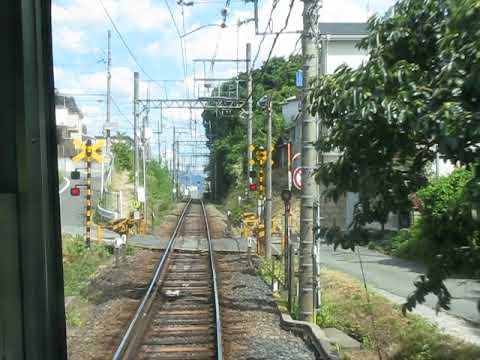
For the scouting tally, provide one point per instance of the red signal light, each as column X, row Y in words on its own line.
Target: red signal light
column 75, row 191
column 253, row 187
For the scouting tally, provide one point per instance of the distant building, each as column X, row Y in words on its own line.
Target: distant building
column 339, row 44
column 69, row 121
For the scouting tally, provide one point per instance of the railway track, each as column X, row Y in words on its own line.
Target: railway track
column 179, row 315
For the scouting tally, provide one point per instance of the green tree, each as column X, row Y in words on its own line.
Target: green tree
column 123, row 151
column 227, row 131
column 416, row 94
column 159, row 188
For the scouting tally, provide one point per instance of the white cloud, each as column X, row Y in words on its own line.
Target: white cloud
column 167, row 46
column 141, row 15
column 59, row 73
column 82, row 12
column 154, row 49
column 72, row 40
column 122, row 81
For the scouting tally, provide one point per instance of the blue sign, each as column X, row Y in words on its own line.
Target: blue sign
column 299, row 79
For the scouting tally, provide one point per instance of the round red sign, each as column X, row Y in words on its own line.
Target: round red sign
column 297, row 178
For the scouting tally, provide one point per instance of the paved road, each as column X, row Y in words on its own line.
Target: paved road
column 72, row 209
column 396, row 277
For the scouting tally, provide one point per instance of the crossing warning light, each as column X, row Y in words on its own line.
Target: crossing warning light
column 253, row 187
column 75, row 191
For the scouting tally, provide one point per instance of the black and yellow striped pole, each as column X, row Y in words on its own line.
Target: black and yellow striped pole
column 89, row 152
column 88, row 194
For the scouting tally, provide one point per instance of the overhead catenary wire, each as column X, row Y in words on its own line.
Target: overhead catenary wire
column 287, row 19
column 277, row 35
column 132, row 55
column 177, row 29
column 274, row 6
column 124, row 42
column 120, row 111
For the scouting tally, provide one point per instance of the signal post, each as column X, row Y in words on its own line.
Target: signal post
column 88, row 153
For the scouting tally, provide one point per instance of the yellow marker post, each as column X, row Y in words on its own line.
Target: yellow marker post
column 88, row 152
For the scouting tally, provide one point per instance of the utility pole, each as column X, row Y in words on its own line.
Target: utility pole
column 144, row 172
column 107, row 125
column 135, row 135
column 145, row 154
column 109, row 80
column 268, row 187
column 177, row 171
column 174, row 161
column 159, row 131
column 249, row 111
column 309, row 159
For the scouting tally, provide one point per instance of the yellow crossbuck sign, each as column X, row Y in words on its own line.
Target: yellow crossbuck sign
column 88, row 151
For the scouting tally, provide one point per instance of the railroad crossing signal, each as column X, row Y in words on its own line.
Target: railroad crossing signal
column 261, row 155
column 88, row 151
column 136, row 204
column 261, row 182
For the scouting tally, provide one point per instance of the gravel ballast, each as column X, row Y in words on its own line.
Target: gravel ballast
column 251, row 313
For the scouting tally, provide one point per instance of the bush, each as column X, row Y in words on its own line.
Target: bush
column 446, row 221
column 412, row 244
column 159, row 188
column 123, row 155
column 446, row 214
column 79, row 262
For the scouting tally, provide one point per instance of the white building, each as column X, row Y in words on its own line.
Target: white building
column 69, row 121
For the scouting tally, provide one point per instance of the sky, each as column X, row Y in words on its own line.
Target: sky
column 80, row 47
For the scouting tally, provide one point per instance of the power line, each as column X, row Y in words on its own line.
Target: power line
column 287, row 19
column 120, row 111
column 182, row 49
column 277, row 35
column 173, row 18
column 123, row 41
column 184, row 53
column 274, row 5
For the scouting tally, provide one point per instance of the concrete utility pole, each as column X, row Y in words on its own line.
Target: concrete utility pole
column 268, row 185
column 159, row 132
column 309, row 159
column 177, row 171
column 109, row 80
column 145, row 154
column 249, row 111
column 174, row 162
column 144, row 177
column 135, row 134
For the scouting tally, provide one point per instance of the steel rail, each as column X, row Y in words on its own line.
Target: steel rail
column 216, row 302
column 129, row 338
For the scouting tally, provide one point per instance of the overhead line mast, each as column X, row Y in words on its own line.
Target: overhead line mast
column 109, row 79
column 309, row 161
